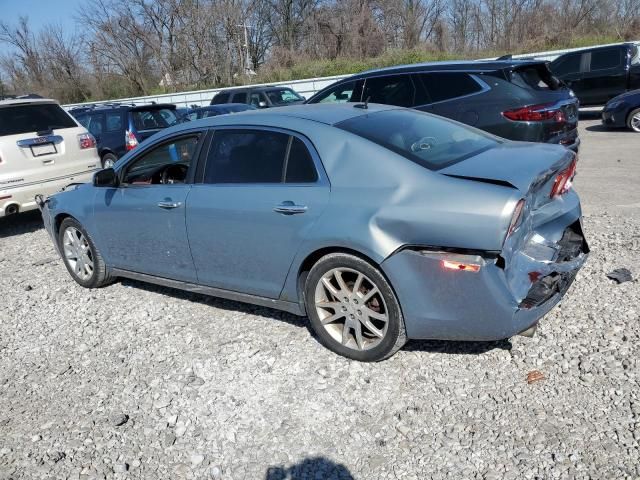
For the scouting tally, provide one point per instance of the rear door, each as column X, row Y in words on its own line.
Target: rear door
column 261, row 192
column 39, row 141
column 605, row 75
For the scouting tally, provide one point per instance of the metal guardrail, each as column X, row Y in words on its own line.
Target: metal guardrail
column 306, row 87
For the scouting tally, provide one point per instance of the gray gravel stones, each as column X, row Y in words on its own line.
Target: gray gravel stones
column 271, row 403
column 119, row 419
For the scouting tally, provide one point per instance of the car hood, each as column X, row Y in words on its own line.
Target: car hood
column 515, row 164
column 625, row 96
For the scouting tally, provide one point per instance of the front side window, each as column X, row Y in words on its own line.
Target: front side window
column 447, row 85
column 221, row 97
column 567, row 64
column 427, row 140
column 607, row 58
column 165, row 164
column 255, row 98
column 390, row 90
column 343, row 93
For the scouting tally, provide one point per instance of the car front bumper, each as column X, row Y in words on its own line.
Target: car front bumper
column 614, row 118
column 489, row 304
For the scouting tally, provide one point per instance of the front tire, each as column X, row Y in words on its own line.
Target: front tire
column 633, row 120
column 353, row 309
column 80, row 255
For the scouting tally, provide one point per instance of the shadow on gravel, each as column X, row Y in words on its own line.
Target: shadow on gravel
column 456, row 348
column 310, row 469
column 221, row 303
column 21, row 223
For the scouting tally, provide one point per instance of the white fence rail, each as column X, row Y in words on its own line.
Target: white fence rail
column 306, row 87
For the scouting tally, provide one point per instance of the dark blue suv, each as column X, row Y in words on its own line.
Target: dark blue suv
column 119, row 128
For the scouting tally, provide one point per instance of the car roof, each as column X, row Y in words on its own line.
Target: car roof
column 254, row 87
column 23, row 101
column 459, row 65
column 328, row 114
column 120, row 106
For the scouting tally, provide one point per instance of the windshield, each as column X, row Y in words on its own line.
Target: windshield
column 283, row 96
column 154, row 119
column 428, row 140
column 35, row 117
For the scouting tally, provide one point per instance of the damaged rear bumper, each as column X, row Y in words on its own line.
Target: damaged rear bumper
column 503, row 298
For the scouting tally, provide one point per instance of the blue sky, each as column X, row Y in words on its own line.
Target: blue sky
column 40, row 13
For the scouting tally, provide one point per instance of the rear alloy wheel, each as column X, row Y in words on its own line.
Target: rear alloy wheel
column 109, row 160
column 353, row 309
column 80, row 255
column 633, row 120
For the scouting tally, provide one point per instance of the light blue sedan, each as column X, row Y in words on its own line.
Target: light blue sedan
column 378, row 223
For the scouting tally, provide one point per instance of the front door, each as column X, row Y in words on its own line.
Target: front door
column 261, row 193
column 142, row 221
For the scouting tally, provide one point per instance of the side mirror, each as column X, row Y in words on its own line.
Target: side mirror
column 105, row 178
column 262, row 104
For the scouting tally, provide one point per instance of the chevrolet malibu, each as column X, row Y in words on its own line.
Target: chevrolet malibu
column 380, row 224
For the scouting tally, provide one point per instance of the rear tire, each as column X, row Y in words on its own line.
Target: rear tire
column 353, row 309
column 633, row 120
column 109, row 160
column 80, row 255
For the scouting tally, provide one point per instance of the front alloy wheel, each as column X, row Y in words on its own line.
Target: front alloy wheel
column 353, row 309
column 633, row 121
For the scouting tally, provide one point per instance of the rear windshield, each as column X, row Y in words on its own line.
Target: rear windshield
column 30, row 118
column 536, row 77
column 430, row 141
column 282, row 96
column 154, row 119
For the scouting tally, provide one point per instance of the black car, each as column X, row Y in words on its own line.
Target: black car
column 514, row 99
column 119, row 128
column 623, row 111
column 214, row 110
column 259, row 97
column 598, row 74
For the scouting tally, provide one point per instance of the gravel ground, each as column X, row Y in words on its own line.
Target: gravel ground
column 135, row 381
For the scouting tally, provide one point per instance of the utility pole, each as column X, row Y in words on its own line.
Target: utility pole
column 247, row 60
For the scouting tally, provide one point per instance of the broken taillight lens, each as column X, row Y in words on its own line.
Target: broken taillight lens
column 564, row 180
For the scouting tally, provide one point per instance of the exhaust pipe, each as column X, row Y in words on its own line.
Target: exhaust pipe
column 11, row 209
column 529, row 332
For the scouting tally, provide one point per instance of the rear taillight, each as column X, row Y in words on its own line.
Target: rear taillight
column 130, row 140
column 516, row 218
column 564, row 180
column 86, row 140
column 536, row 113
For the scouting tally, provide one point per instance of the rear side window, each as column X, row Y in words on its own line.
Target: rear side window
column 443, row 86
column 31, row 118
column 221, row 97
column 607, row 58
column 246, row 156
column 428, row 140
column 153, row 119
column 566, row 64
column 300, row 167
column 390, row 90
column 114, row 122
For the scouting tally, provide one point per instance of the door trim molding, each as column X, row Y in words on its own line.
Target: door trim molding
column 290, row 307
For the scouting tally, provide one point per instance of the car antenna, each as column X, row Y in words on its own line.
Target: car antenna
column 364, row 105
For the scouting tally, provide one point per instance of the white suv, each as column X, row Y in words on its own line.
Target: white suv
column 42, row 149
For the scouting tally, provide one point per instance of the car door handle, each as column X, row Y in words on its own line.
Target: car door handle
column 169, row 205
column 289, row 208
